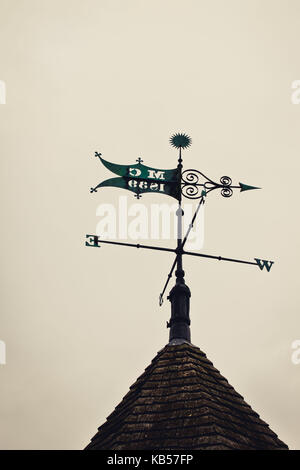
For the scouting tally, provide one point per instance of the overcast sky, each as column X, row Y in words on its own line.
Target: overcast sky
column 81, row 324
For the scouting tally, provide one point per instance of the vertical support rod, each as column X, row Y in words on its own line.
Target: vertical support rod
column 179, row 272
column 180, row 294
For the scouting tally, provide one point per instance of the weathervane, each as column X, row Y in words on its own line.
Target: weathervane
column 176, row 183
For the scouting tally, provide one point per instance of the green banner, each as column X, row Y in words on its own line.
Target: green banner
column 141, row 186
column 140, row 171
column 140, row 178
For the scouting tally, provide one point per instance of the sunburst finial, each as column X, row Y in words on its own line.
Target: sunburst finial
column 180, row 140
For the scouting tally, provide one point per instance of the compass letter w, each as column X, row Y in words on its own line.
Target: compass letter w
column 262, row 263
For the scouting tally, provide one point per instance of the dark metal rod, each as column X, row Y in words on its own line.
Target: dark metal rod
column 178, row 259
column 167, row 281
column 220, row 258
column 179, row 225
column 192, row 222
column 181, row 247
column 148, row 247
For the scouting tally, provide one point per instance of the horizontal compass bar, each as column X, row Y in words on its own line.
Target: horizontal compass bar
column 220, row 258
column 95, row 241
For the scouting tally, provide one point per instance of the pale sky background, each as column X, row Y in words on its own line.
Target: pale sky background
column 80, row 324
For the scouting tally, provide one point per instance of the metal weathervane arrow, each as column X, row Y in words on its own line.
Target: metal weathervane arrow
column 176, row 182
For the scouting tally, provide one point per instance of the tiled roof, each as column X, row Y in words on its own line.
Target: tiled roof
column 182, row 402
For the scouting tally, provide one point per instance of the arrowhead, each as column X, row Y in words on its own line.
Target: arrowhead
column 246, row 187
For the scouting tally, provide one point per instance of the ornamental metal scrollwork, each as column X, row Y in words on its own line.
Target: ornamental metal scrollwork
column 226, row 190
column 191, row 185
